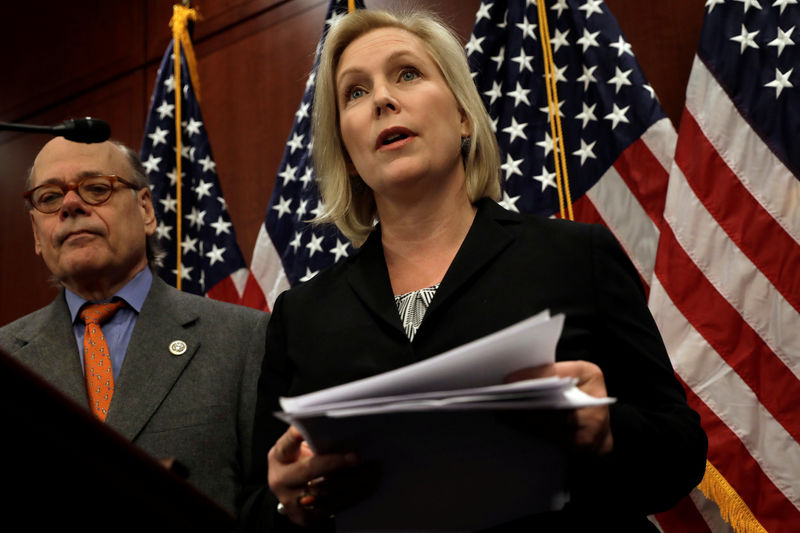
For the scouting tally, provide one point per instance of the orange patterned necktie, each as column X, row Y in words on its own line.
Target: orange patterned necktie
column 96, row 360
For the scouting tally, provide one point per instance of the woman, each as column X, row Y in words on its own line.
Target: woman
column 401, row 137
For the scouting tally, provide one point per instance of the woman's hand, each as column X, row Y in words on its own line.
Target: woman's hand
column 592, row 425
column 301, row 480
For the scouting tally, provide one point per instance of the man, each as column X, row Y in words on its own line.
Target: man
column 174, row 373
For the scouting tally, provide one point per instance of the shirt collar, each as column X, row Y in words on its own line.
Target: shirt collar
column 133, row 293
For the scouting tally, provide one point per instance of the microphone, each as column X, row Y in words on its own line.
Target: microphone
column 82, row 130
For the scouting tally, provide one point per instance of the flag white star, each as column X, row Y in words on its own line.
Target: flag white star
column 187, row 152
column 215, row 255
column 588, row 76
column 163, row 231
column 340, row 250
column 165, row 110
column 780, row 82
column 193, row 127
column 309, row 274
column 622, row 46
column 620, row 78
column 335, row 18
column 649, row 89
column 483, row 13
column 297, row 241
column 301, row 209
column 296, row 143
column 782, row 40
column 516, row 130
column 196, row 217
column 169, row 203
column 208, row 164
column 221, row 226
column 559, row 40
column 173, row 176
column 547, row 144
column 585, row 151
column 528, row 29
column 151, row 165
column 203, row 189
column 586, row 114
column 288, row 174
column 302, row 112
column 710, row 4
column 169, row 83
column 223, row 205
column 283, row 206
column 618, row 115
column 500, row 57
column 547, row 179
column 308, row 177
column 314, row 245
column 511, row 166
column 749, row 3
column 474, row 44
column 495, row 92
column 185, row 271
column 591, row 6
column 189, row 245
column 519, row 94
column 311, row 78
column 158, row 136
column 783, row 4
column 546, row 109
column 523, row 60
column 509, row 202
column 560, row 5
column 588, row 40
column 746, row 39
column 560, row 77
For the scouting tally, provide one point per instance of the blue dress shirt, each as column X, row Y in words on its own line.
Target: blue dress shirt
column 118, row 329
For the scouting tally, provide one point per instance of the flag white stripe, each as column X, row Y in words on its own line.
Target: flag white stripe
column 627, row 219
column 661, row 139
column 732, row 273
column 267, row 268
column 709, row 510
column 727, row 395
column 760, row 171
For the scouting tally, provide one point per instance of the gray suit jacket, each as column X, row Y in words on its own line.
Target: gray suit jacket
column 197, row 407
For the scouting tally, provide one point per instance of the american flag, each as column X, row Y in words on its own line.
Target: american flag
column 211, row 261
column 726, row 291
column 288, row 249
column 618, row 144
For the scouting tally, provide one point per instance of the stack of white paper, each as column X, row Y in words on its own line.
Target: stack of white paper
column 449, row 461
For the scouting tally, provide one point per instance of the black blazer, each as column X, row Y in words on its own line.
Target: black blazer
column 344, row 325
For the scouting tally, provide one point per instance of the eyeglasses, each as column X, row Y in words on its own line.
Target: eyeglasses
column 94, row 190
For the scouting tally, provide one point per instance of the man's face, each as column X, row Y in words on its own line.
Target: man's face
column 89, row 246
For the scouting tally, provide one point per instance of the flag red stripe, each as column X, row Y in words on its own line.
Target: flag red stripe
column 728, row 455
column 730, row 335
column 646, row 178
column 741, row 216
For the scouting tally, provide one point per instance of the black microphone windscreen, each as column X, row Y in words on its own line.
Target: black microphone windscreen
column 84, row 130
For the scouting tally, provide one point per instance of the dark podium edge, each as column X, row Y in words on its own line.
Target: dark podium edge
column 62, row 467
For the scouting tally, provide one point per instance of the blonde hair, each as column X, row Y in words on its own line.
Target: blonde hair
column 348, row 202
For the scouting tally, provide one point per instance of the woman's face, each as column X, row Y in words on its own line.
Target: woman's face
column 400, row 123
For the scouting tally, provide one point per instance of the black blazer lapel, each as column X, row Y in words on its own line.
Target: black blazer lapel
column 487, row 237
column 369, row 278
column 150, row 368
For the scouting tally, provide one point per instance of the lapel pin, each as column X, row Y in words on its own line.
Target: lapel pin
column 177, row 347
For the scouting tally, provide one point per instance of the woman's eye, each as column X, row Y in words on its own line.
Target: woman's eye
column 409, row 75
column 355, row 93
